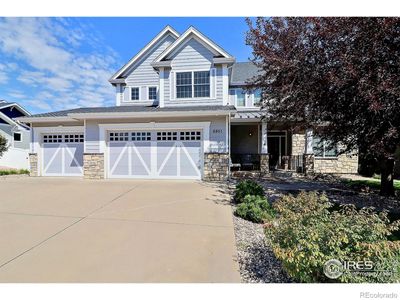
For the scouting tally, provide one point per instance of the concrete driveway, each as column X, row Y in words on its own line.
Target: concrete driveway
column 76, row 230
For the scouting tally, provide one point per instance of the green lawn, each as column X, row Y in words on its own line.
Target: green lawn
column 372, row 182
column 13, row 172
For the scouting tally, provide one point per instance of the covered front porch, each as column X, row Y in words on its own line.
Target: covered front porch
column 256, row 145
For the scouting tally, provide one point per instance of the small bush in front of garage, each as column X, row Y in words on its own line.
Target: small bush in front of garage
column 247, row 187
column 255, row 208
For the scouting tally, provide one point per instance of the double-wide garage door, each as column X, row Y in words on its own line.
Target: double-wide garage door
column 62, row 154
column 155, row 154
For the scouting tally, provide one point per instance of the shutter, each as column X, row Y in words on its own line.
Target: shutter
column 172, row 85
column 213, row 85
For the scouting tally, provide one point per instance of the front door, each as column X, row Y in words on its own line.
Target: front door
column 276, row 148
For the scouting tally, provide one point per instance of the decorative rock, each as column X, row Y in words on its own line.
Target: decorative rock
column 33, row 162
column 216, row 166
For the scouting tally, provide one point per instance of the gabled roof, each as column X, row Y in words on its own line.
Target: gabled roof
column 167, row 30
column 241, row 72
column 5, row 104
column 193, row 33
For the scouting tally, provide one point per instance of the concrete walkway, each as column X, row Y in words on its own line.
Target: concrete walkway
column 76, row 230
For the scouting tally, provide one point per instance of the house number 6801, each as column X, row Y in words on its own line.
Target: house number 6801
column 217, row 131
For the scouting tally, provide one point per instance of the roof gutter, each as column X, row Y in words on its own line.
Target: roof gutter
column 124, row 115
column 71, row 117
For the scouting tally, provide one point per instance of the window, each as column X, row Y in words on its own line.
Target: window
column 323, row 148
column 257, row 97
column 240, row 97
column 17, row 137
column 184, row 85
column 167, row 136
column 63, row 138
column 141, row 136
column 202, row 84
column 119, row 136
column 152, row 93
column 193, row 84
column 135, row 93
column 73, row 138
column 190, row 136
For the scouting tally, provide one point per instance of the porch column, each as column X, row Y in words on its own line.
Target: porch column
column 308, row 157
column 264, row 156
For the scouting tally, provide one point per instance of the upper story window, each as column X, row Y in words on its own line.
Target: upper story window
column 240, row 97
column 324, row 148
column 193, row 84
column 17, row 137
column 135, row 93
column 257, row 97
column 152, row 93
column 202, row 84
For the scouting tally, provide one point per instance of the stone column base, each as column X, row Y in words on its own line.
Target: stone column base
column 93, row 165
column 308, row 163
column 33, row 162
column 264, row 163
column 216, row 166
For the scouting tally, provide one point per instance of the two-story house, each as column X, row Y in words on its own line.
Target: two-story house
column 181, row 111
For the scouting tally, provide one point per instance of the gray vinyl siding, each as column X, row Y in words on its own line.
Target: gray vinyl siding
column 92, row 136
column 6, row 131
column 142, row 73
column 219, row 87
column 193, row 56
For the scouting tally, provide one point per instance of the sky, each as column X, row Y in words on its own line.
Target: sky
column 49, row 64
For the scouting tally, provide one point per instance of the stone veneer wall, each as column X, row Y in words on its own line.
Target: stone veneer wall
column 345, row 164
column 298, row 143
column 93, row 165
column 33, row 162
column 264, row 163
column 216, row 166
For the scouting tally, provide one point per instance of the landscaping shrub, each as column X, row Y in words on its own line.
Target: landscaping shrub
column 255, row 209
column 307, row 233
column 13, row 172
column 247, row 187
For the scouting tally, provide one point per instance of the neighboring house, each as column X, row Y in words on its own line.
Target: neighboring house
column 181, row 112
column 17, row 135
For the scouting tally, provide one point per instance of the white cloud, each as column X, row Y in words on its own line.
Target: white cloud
column 50, row 58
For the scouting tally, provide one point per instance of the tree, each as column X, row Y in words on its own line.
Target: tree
column 341, row 74
column 3, row 145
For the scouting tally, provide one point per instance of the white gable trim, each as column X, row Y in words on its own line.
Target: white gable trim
column 167, row 30
column 19, row 107
column 193, row 33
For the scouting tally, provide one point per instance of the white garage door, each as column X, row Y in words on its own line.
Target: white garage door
column 155, row 154
column 62, row 154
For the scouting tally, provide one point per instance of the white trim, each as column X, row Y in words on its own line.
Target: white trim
column 130, row 94
column 200, row 37
column 161, row 95
column 212, row 85
column 167, row 29
column 118, row 94
column 148, row 92
column 14, row 141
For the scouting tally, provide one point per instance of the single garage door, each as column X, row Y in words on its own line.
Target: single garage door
column 62, row 154
column 155, row 154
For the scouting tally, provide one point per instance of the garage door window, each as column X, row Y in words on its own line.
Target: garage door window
column 190, row 136
column 73, row 138
column 53, row 138
column 119, row 136
column 141, row 136
column 167, row 136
